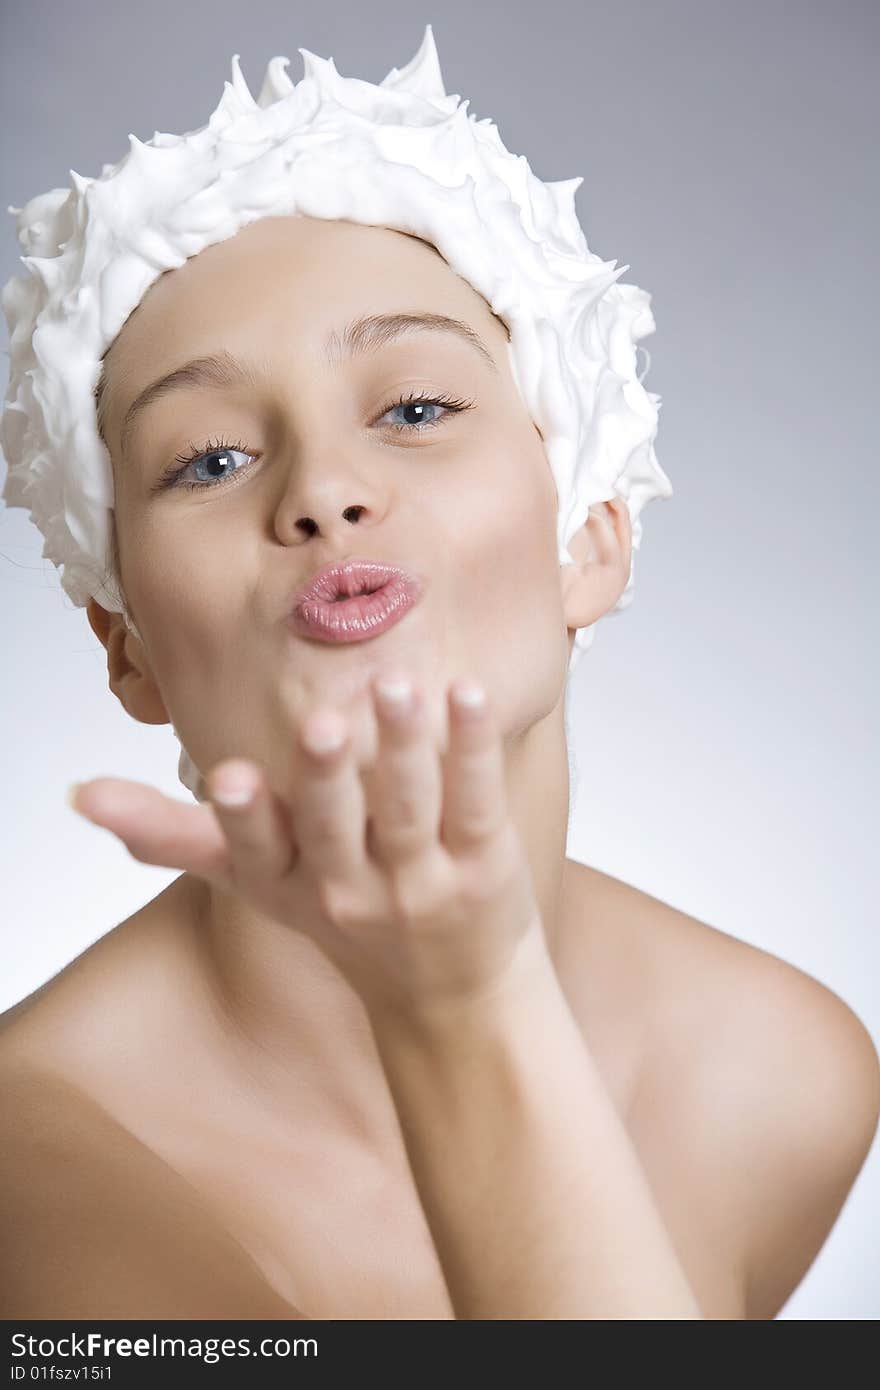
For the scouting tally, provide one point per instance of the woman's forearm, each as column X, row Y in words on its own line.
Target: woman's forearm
column 533, row 1191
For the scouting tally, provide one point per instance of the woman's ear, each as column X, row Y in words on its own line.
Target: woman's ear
column 602, row 552
column 131, row 679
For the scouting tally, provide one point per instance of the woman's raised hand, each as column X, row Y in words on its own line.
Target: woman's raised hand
column 429, row 908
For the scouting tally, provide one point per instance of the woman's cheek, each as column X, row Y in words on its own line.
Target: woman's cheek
column 506, row 578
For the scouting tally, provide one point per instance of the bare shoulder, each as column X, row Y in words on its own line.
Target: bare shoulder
column 94, row 1224
column 767, row 1081
column 99, row 997
column 808, row 1133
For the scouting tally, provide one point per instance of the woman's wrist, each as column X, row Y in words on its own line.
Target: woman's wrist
column 454, row 1021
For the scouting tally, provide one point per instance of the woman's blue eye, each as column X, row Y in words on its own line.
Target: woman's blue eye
column 418, row 414
column 214, row 456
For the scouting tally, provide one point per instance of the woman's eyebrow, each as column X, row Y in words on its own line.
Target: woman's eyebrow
column 375, row 331
column 362, row 336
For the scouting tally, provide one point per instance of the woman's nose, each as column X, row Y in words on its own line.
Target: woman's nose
column 329, row 486
column 311, row 526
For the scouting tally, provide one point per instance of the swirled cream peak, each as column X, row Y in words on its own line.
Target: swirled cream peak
column 401, row 154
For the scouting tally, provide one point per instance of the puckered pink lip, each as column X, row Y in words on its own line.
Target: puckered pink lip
column 354, row 601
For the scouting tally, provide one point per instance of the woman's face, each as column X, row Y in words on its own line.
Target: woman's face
column 312, row 461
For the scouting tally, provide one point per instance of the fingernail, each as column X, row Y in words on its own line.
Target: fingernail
column 72, row 792
column 469, row 695
column 324, row 733
column 395, row 692
column 235, row 789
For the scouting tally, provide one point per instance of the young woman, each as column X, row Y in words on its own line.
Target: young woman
column 381, row 1050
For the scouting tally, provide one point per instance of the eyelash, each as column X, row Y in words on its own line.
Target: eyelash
column 172, row 477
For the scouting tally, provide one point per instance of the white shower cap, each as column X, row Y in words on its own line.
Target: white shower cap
column 401, row 154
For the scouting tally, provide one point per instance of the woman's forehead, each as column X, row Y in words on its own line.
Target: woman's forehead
column 325, row 273
column 310, row 246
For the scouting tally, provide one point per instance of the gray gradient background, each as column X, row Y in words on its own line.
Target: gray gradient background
column 726, row 756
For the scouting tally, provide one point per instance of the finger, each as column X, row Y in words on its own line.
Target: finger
column 156, row 829
column 405, row 783
column 474, row 789
column 255, row 820
column 329, row 805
